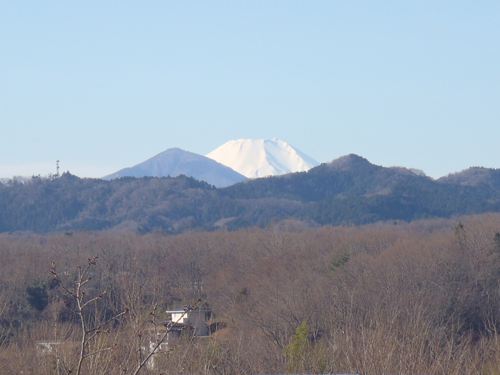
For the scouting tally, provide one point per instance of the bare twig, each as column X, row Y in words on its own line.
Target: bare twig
column 79, row 296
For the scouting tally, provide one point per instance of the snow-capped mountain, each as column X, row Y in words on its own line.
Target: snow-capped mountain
column 175, row 161
column 263, row 157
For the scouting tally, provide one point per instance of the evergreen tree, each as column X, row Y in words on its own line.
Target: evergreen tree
column 298, row 349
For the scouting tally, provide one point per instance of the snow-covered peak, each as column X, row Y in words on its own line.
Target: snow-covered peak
column 262, row 157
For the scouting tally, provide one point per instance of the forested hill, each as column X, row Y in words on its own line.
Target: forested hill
column 69, row 202
column 349, row 190
column 352, row 190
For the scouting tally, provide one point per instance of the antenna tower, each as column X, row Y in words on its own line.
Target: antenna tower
column 57, row 169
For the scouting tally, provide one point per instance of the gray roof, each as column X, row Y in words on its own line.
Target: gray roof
column 182, row 309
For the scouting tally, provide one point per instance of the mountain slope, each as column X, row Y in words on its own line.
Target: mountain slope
column 261, row 158
column 174, row 162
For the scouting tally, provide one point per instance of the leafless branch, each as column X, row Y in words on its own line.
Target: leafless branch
column 78, row 295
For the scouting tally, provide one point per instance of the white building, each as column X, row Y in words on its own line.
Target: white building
column 183, row 319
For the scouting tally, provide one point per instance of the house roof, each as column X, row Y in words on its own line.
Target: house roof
column 182, row 309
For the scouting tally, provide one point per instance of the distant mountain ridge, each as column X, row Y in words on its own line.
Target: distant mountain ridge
column 230, row 163
column 174, row 162
column 349, row 190
column 256, row 158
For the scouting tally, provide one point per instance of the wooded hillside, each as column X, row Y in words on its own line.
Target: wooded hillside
column 347, row 191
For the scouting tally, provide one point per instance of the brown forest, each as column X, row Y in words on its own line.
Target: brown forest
column 388, row 298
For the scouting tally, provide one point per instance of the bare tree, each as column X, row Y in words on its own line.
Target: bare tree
column 90, row 332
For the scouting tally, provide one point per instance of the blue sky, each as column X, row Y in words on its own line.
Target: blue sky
column 103, row 85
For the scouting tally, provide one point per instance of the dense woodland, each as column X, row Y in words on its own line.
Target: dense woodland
column 387, row 298
column 347, row 191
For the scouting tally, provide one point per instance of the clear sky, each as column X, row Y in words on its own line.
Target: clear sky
column 103, row 85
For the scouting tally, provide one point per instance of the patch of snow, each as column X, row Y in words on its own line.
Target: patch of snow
column 262, row 157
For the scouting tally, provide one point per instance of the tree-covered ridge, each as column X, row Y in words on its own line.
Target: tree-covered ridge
column 69, row 202
column 350, row 190
column 350, row 176
column 475, row 176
